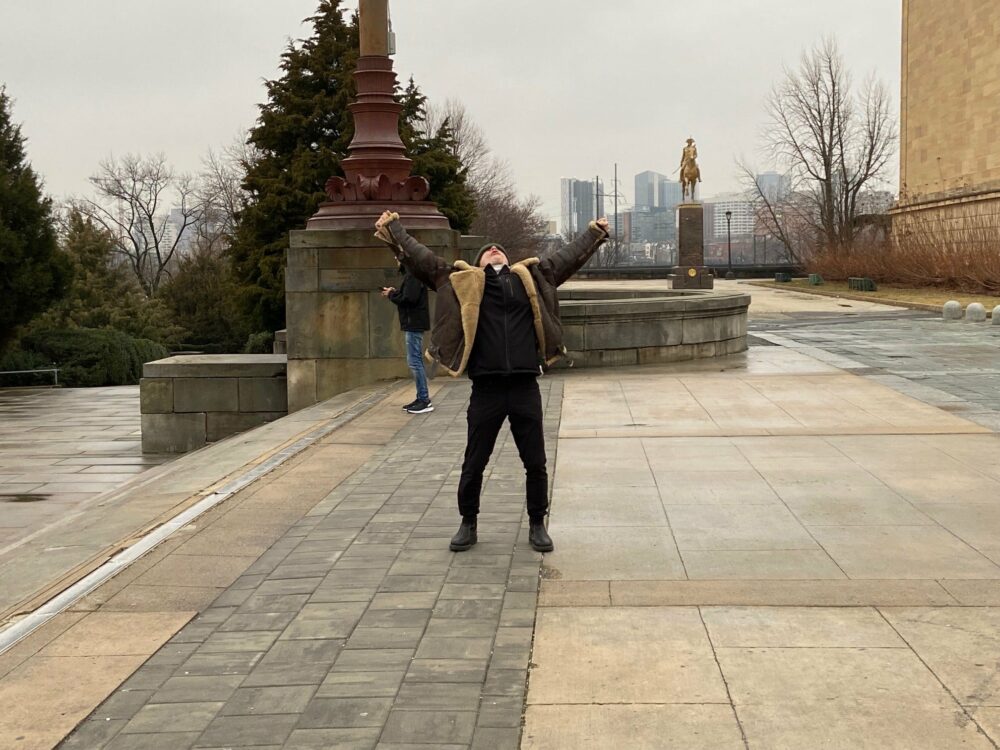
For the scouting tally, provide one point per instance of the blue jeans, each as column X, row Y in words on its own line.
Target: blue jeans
column 415, row 361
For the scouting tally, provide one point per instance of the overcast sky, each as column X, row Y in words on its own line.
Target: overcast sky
column 561, row 88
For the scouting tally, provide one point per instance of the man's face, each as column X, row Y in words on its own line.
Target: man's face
column 493, row 255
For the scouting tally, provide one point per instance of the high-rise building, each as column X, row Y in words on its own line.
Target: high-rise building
column 669, row 194
column 647, row 189
column 741, row 220
column 578, row 204
column 773, row 186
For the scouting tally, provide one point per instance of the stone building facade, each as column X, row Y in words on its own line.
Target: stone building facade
column 950, row 116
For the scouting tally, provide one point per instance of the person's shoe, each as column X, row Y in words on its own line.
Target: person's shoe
column 465, row 537
column 538, row 537
column 410, row 405
column 420, row 407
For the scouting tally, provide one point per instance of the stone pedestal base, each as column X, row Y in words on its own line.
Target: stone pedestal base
column 341, row 332
column 690, row 235
column 692, row 277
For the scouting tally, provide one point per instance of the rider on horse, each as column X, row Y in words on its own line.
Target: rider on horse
column 690, row 174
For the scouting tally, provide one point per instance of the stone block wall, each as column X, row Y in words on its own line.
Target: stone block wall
column 949, row 115
column 341, row 333
column 606, row 328
column 191, row 400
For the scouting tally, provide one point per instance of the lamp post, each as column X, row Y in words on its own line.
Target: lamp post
column 729, row 244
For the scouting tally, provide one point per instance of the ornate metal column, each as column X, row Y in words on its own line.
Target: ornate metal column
column 377, row 170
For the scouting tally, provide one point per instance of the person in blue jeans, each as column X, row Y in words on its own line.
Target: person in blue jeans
column 414, row 318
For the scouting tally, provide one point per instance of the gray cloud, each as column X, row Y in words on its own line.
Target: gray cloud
column 561, row 87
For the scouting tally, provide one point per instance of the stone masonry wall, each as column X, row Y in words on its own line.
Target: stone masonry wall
column 950, row 109
column 189, row 401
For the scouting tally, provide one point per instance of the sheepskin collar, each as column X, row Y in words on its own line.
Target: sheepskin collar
column 469, row 283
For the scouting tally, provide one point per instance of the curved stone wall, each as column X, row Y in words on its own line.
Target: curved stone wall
column 615, row 327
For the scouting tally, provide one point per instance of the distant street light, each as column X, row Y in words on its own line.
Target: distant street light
column 729, row 243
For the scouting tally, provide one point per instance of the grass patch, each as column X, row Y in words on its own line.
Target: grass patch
column 888, row 293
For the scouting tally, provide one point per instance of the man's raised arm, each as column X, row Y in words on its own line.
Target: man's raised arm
column 559, row 265
column 429, row 268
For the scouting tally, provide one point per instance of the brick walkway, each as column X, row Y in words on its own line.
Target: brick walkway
column 359, row 628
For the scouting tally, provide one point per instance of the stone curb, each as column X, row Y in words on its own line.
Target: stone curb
column 855, row 297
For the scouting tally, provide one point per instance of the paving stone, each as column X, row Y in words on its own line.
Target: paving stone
column 193, row 689
column 173, row 740
column 324, row 621
column 342, row 739
column 460, row 696
column 362, row 684
column 240, row 731
column 447, row 670
column 258, row 621
column 474, row 609
column 429, row 726
column 376, row 660
column 407, row 600
column 492, row 738
column 94, row 733
column 391, row 618
column 501, row 712
column 172, row 654
column 270, row 700
column 220, row 642
column 508, row 682
column 345, row 713
column 222, row 663
column 122, row 704
column 304, row 662
column 432, row 647
column 374, row 638
column 178, row 717
column 392, row 583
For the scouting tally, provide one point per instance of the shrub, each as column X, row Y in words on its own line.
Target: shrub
column 94, row 357
column 964, row 257
column 259, row 343
column 19, row 359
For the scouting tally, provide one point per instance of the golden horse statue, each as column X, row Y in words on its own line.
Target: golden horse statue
column 690, row 174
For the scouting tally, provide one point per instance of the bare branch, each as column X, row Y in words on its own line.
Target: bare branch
column 133, row 198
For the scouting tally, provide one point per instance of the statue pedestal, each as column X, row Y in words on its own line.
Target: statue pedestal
column 341, row 332
column 691, row 271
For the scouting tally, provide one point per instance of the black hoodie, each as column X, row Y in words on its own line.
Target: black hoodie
column 505, row 336
column 411, row 299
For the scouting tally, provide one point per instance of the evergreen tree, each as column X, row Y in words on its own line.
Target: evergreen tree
column 302, row 133
column 104, row 293
column 303, row 130
column 201, row 296
column 32, row 270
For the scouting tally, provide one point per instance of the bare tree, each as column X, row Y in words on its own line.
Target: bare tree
column 502, row 214
column 832, row 143
column 134, row 198
column 222, row 194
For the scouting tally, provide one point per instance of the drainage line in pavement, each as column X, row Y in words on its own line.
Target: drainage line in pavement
column 22, row 628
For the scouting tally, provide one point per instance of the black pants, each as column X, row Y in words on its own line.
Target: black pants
column 494, row 399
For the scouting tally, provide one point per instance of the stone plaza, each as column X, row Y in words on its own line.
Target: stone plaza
column 790, row 547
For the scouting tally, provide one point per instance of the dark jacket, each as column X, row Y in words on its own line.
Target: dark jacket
column 411, row 300
column 506, row 343
column 460, row 293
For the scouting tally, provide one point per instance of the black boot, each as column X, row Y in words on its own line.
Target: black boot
column 465, row 537
column 538, row 536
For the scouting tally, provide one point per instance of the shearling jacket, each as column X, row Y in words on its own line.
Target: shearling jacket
column 460, row 287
